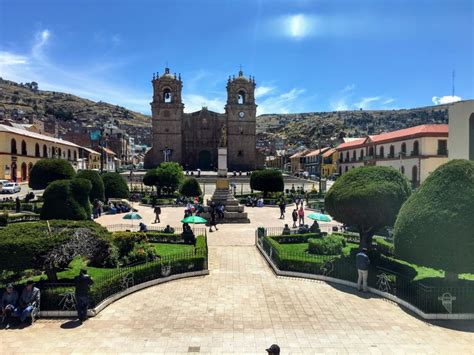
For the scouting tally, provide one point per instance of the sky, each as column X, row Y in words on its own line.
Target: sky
column 306, row 56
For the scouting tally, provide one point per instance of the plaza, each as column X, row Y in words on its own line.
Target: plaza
column 242, row 307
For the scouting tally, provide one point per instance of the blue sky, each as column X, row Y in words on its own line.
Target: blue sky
column 320, row 55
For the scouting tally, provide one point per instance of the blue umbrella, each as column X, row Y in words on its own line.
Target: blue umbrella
column 320, row 217
column 132, row 215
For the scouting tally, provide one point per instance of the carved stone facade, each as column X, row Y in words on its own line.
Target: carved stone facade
column 192, row 139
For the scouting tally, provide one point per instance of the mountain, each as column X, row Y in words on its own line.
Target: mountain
column 20, row 100
column 291, row 131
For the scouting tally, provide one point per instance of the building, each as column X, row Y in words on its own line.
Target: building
column 20, row 149
column 311, row 161
column 192, row 139
column 297, row 161
column 461, row 130
column 277, row 161
column 415, row 151
column 329, row 162
column 109, row 161
column 88, row 159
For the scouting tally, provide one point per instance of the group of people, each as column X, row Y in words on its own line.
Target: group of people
column 254, row 201
column 22, row 306
column 97, row 208
column 118, row 207
column 19, row 306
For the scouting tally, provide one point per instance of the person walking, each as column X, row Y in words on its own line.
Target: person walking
column 294, row 215
column 362, row 264
column 157, row 211
column 282, row 206
column 83, row 283
column 213, row 221
column 301, row 215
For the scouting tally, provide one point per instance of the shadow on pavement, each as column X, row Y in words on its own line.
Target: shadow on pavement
column 71, row 324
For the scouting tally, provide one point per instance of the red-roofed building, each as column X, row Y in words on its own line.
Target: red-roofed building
column 415, row 151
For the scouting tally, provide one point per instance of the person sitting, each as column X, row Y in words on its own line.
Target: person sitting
column 8, row 305
column 249, row 201
column 143, row 228
column 315, row 228
column 188, row 234
column 220, row 211
column 29, row 302
column 168, row 229
column 286, row 230
column 260, row 202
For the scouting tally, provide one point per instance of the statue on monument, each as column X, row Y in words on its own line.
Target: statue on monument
column 223, row 139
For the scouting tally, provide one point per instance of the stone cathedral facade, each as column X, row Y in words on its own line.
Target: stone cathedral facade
column 192, row 139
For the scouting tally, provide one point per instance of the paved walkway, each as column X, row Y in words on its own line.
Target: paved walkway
column 241, row 307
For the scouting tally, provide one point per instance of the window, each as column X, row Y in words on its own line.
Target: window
column 371, row 151
column 240, row 153
column 442, row 147
column 167, row 96
column 361, row 154
column 37, row 150
column 23, row 148
column 241, row 97
column 69, row 154
column 13, row 146
column 75, row 156
column 382, row 152
column 45, row 151
column 414, row 176
column 402, row 170
column 392, row 151
column 416, row 148
column 354, row 155
column 404, row 149
column 347, row 168
column 347, row 156
column 59, row 153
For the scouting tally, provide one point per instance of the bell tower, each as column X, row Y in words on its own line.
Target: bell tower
column 167, row 114
column 241, row 113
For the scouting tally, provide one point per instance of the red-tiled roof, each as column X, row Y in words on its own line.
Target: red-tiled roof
column 352, row 144
column 316, row 152
column 329, row 152
column 435, row 130
column 299, row 154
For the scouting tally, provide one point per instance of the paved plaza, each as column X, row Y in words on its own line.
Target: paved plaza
column 242, row 307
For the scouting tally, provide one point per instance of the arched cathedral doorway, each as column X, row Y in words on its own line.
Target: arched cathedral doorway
column 204, row 160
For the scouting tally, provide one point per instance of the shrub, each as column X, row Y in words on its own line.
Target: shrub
column 368, row 198
column 125, row 241
column 384, row 247
column 435, row 226
column 329, row 245
column 115, row 186
column 267, row 181
column 294, row 238
column 168, row 177
column 141, row 252
column 190, row 188
column 49, row 248
column 97, row 190
column 67, row 199
column 151, row 177
column 46, row 171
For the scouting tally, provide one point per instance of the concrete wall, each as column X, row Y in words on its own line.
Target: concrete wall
column 461, row 130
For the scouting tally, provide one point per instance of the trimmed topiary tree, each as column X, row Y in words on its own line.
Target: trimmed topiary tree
column 169, row 176
column 367, row 198
column 267, row 181
column 67, row 199
column 150, row 178
column 97, row 190
column 190, row 188
column 435, row 227
column 115, row 186
column 46, row 171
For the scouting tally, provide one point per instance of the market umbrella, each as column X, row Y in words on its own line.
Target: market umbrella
column 320, row 217
column 132, row 216
column 194, row 220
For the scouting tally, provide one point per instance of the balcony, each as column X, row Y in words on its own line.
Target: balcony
column 353, row 159
column 414, row 153
column 391, row 156
column 368, row 157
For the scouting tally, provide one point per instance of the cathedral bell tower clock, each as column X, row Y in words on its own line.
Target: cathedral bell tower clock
column 241, row 113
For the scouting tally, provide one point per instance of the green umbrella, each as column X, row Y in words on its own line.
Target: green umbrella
column 194, row 220
column 132, row 215
column 320, row 217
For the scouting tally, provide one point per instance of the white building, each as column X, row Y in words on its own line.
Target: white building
column 461, row 130
column 415, row 151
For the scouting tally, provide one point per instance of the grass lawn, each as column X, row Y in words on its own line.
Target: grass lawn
column 165, row 249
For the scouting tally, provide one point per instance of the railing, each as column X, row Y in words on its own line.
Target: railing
column 430, row 299
column 160, row 229
column 368, row 157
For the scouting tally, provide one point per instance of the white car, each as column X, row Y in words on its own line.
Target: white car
column 10, row 188
column 3, row 182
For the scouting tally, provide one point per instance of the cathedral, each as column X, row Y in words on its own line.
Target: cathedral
column 192, row 139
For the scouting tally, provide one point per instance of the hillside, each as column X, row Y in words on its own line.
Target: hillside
column 290, row 131
column 25, row 99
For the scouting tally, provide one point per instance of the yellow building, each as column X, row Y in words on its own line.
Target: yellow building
column 89, row 159
column 329, row 162
column 20, row 149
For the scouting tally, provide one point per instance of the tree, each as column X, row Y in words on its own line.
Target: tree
column 435, row 227
column 51, row 247
column 267, row 181
column 115, row 186
column 97, row 191
column 190, row 188
column 46, row 171
column 367, row 198
column 168, row 177
column 67, row 199
column 151, row 177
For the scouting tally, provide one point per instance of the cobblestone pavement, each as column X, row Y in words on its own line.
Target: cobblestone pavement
column 242, row 307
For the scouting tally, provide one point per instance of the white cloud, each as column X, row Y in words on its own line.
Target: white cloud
column 445, row 99
column 193, row 102
column 344, row 100
column 261, row 91
column 282, row 103
column 366, row 102
column 299, row 26
column 339, row 105
column 8, row 59
column 388, row 101
column 41, row 40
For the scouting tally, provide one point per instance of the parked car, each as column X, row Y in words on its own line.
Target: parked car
column 3, row 182
column 10, row 188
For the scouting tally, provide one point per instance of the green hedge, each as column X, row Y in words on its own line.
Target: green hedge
column 115, row 186
column 328, row 245
column 294, row 238
column 384, row 247
column 46, row 171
